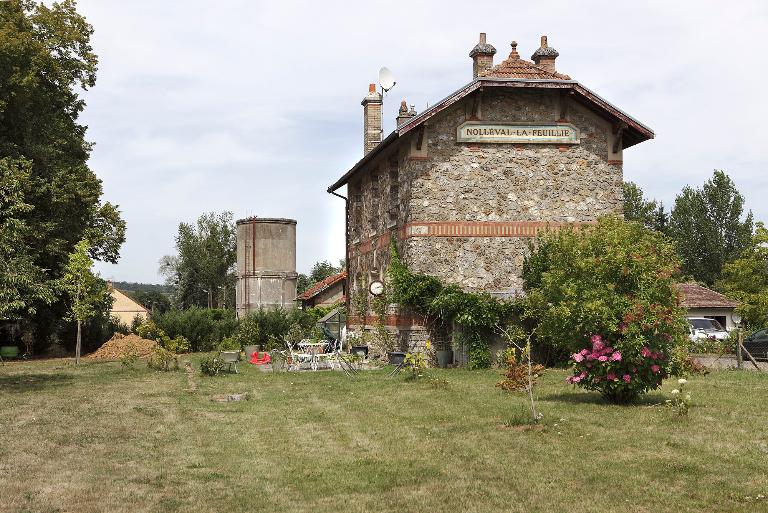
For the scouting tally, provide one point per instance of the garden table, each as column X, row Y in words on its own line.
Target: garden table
column 313, row 349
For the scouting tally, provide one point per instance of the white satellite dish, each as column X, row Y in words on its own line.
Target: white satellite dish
column 386, row 79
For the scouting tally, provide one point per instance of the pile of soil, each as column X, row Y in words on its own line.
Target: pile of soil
column 124, row 345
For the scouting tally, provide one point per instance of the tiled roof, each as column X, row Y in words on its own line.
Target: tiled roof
column 322, row 285
column 696, row 296
column 515, row 67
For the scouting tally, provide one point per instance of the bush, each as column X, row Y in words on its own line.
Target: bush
column 275, row 324
column 178, row 345
column 203, row 328
column 163, row 360
column 606, row 294
column 247, row 332
column 150, row 331
column 211, row 365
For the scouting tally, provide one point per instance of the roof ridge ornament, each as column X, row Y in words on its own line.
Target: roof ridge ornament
column 513, row 54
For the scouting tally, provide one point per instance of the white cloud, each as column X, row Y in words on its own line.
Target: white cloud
column 254, row 107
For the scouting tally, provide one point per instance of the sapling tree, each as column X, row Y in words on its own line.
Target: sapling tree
column 521, row 373
column 87, row 294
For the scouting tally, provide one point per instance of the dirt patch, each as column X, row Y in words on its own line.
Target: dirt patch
column 120, row 346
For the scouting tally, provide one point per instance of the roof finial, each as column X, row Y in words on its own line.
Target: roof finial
column 544, row 41
column 514, row 53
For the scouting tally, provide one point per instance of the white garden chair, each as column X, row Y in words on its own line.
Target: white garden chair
column 297, row 357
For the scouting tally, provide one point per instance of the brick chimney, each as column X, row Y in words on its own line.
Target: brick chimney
column 545, row 56
column 404, row 114
column 482, row 56
column 371, row 119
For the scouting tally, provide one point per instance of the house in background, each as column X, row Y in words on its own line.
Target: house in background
column 700, row 301
column 124, row 308
column 328, row 292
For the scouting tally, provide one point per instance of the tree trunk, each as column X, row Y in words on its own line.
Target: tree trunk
column 210, row 297
column 77, row 345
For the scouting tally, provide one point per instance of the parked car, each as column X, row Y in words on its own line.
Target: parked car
column 702, row 328
column 757, row 345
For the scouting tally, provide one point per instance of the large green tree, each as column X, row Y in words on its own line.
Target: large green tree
column 203, row 271
column 709, row 227
column 45, row 60
column 746, row 280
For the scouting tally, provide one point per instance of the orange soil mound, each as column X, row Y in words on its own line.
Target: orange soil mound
column 124, row 345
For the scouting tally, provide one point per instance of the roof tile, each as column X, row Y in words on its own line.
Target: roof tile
column 696, row 296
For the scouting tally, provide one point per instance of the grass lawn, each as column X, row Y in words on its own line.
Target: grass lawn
column 103, row 438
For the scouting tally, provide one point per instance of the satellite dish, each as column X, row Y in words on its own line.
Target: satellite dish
column 386, row 79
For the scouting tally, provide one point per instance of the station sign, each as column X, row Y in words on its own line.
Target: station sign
column 512, row 133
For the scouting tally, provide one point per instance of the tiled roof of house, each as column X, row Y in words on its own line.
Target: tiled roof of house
column 696, row 296
column 515, row 67
column 322, row 285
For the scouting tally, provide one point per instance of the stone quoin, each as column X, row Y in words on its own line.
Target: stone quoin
column 463, row 186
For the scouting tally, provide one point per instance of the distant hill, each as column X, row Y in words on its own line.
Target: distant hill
column 128, row 286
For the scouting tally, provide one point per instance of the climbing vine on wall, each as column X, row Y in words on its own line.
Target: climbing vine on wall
column 476, row 315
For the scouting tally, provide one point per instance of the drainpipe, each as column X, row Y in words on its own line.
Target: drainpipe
column 346, row 245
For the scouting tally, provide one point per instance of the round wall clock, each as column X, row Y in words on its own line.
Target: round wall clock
column 376, row 288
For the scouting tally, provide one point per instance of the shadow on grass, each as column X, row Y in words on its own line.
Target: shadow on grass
column 595, row 398
column 20, row 383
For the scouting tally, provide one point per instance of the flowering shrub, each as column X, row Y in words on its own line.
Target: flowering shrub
column 605, row 293
column 619, row 376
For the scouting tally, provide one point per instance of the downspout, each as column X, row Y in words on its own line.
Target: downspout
column 346, row 246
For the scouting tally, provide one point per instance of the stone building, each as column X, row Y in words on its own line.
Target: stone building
column 328, row 292
column 465, row 184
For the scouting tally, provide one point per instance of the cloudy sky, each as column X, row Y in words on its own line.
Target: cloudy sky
column 254, row 106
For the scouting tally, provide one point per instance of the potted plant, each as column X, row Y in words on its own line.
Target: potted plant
column 229, row 349
column 444, row 357
column 358, row 345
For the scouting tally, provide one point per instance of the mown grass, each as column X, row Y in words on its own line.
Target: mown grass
column 100, row 437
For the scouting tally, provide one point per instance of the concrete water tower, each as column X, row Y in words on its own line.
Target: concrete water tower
column 266, row 264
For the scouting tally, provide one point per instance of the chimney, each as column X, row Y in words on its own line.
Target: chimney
column 371, row 119
column 404, row 114
column 545, row 56
column 482, row 56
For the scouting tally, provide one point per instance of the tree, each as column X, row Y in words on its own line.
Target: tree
column 23, row 284
column 153, row 300
column 650, row 213
column 45, row 57
column 320, row 271
column 746, row 280
column 706, row 225
column 606, row 294
column 85, row 291
column 203, row 272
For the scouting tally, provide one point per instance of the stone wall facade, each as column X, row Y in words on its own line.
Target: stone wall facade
column 466, row 213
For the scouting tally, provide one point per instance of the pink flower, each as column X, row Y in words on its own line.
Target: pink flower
column 578, row 357
column 583, row 374
column 603, row 358
column 597, row 344
column 585, row 352
column 569, row 379
column 591, row 357
column 645, row 352
column 596, row 339
column 627, row 378
column 611, row 376
column 616, row 357
column 576, row 379
column 655, row 368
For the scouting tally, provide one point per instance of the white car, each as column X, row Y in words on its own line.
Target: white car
column 702, row 327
